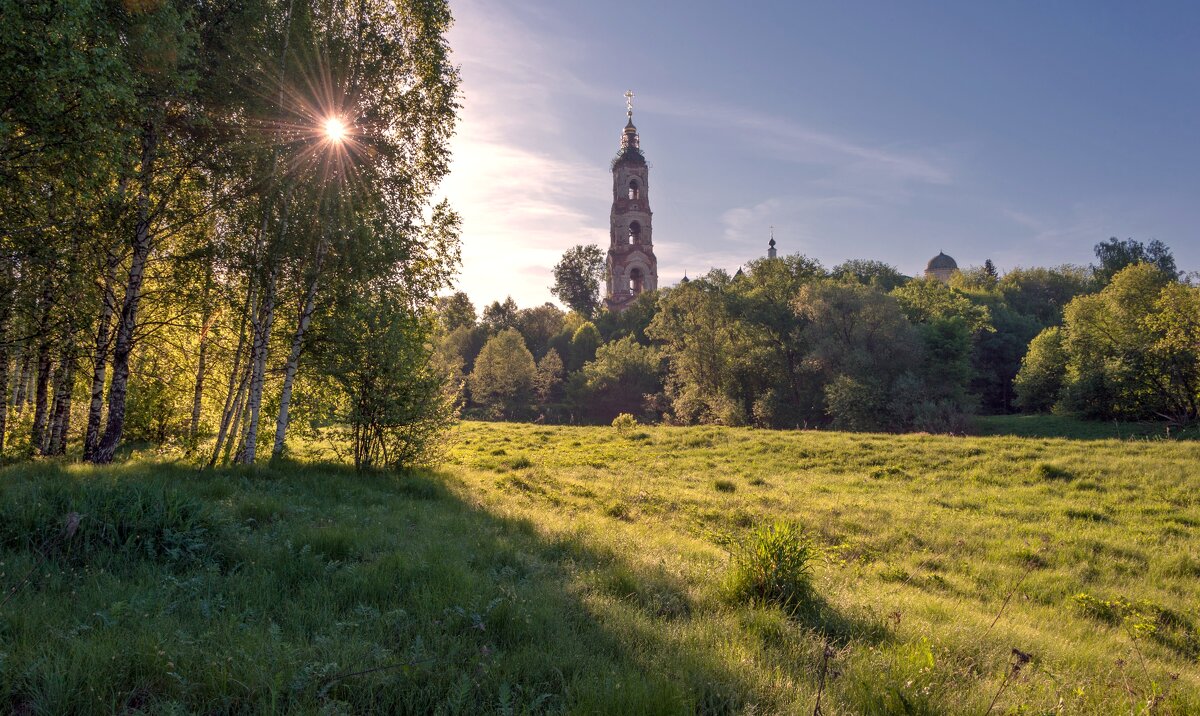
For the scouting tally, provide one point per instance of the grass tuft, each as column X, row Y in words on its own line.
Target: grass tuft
column 1048, row 471
column 520, row 462
column 1087, row 515
column 774, row 566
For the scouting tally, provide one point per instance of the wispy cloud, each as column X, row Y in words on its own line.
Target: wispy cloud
column 788, row 139
column 515, row 179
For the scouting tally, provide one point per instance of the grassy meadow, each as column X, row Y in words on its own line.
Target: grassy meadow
column 587, row 570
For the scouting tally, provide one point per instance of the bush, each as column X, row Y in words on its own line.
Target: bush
column 855, row 404
column 395, row 402
column 774, row 566
column 624, row 423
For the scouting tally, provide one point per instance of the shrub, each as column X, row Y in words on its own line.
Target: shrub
column 396, row 404
column 1087, row 515
column 855, row 404
column 774, row 566
column 624, row 423
column 725, row 486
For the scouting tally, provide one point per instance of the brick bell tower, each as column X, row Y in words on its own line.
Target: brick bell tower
column 632, row 267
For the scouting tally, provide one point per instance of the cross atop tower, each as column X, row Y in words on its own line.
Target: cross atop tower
column 629, row 103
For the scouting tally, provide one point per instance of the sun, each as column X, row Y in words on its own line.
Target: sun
column 335, row 130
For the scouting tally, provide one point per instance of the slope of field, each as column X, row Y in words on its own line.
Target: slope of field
column 582, row 570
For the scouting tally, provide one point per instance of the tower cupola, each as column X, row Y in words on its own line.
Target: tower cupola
column 629, row 138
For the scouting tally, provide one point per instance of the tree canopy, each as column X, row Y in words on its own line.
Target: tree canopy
column 577, row 278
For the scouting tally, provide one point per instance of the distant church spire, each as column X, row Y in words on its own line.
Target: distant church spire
column 771, row 245
column 631, row 265
column 629, row 139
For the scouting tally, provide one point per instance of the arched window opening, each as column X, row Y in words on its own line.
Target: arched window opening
column 635, row 232
column 636, row 280
column 635, row 191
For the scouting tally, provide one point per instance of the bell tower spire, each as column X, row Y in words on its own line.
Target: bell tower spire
column 629, row 139
column 631, row 265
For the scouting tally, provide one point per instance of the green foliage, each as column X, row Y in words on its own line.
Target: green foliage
column 499, row 316
column 929, row 300
column 996, row 355
column 456, row 311
column 881, row 372
column 577, row 278
column 504, row 376
column 1129, row 349
column 584, row 343
column 395, row 403
column 946, row 364
column 774, row 566
column 1116, row 255
column 619, row 380
column 1043, row 293
column 548, row 383
column 633, row 321
column 204, row 213
column 701, row 342
column 856, row 404
column 539, row 326
column 458, row 349
column 868, row 272
column 1039, row 384
column 784, row 347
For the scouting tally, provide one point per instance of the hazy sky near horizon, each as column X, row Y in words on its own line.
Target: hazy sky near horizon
column 1024, row 132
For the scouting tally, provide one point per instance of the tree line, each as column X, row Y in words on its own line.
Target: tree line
column 787, row 343
column 192, row 251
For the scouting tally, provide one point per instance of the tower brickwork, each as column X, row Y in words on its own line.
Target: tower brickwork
column 631, row 265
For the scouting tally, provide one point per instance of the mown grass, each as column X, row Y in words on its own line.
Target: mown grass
column 556, row 569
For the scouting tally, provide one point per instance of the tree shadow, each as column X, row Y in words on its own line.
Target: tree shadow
column 1070, row 428
column 380, row 592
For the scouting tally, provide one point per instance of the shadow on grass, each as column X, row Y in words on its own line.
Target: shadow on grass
column 312, row 587
column 1058, row 426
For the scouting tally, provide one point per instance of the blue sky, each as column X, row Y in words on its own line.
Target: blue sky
column 1024, row 132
